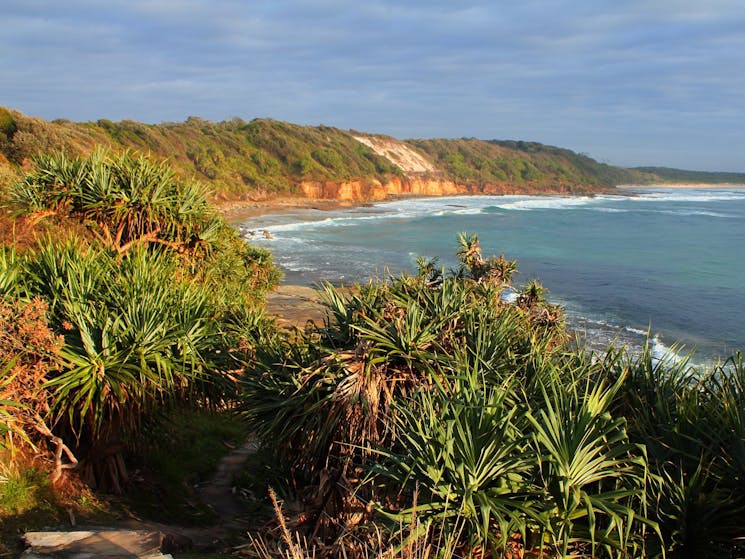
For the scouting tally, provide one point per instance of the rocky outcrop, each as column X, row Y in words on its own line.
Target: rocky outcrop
column 96, row 542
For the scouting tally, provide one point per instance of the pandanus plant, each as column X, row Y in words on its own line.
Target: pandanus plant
column 497, row 270
column 149, row 298
column 692, row 425
column 136, row 337
column 122, row 198
column 327, row 403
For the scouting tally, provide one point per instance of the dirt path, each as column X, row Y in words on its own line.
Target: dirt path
column 221, row 496
column 138, row 539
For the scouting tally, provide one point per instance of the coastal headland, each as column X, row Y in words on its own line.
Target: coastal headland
column 249, row 164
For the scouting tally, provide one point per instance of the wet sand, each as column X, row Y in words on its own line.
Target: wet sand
column 240, row 210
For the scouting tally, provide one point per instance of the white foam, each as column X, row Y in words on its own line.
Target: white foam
column 340, row 221
column 610, row 210
column 636, row 330
column 394, row 210
column 612, row 197
column 296, row 266
column 444, row 205
column 509, row 296
column 546, row 203
column 696, row 212
column 662, row 353
column 467, row 211
column 689, row 196
column 450, row 211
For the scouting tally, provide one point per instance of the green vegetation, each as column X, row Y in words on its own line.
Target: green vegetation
column 264, row 158
column 665, row 174
column 428, row 413
column 428, row 416
column 29, row 500
column 447, row 418
column 261, row 158
column 135, row 299
column 176, row 452
column 522, row 165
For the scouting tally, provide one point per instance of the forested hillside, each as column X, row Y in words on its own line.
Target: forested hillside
column 666, row 174
column 265, row 158
column 479, row 162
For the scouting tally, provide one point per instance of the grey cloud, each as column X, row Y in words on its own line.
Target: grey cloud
column 636, row 74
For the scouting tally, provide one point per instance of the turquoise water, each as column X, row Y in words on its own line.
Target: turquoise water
column 671, row 261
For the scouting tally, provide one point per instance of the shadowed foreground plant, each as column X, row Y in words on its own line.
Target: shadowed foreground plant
column 692, row 424
column 137, row 337
column 466, row 454
column 437, row 385
column 417, row 539
column 327, row 402
column 157, row 298
column 591, row 477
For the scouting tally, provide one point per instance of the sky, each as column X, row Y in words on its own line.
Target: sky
column 628, row 82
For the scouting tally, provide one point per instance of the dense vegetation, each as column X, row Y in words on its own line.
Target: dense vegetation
column 472, row 161
column 124, row 296
column 469, row 426
column 265, row 158
column 435, row 414
column 667, row 174
column 236, row 158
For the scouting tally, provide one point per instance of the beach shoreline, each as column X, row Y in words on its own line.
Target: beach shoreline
column 236, row 211
column 684, row 185
column 353, row 242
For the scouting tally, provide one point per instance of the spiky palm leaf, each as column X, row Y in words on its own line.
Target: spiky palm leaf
column 10, row 267
column 465, row 455
column 590, row 473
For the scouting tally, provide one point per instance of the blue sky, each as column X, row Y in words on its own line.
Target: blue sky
column 629, row 82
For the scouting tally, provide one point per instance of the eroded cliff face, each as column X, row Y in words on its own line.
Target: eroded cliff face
column 360, row 191
column 400, row 154
column 421, row 177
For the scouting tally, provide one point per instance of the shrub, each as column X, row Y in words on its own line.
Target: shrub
column 155, row 303
column 327, row 404
column 122, row 198
column 29, row 352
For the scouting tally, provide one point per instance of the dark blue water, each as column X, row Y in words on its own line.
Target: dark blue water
column 668, row 261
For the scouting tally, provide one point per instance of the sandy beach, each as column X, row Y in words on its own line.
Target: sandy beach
column 296, row 305
column 235, row 211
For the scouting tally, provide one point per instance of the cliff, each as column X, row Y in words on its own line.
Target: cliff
column 264, row 158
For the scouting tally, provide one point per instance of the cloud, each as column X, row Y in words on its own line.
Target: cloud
column 598, row 77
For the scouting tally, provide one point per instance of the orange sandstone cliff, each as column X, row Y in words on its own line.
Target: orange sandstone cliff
column 421, row 177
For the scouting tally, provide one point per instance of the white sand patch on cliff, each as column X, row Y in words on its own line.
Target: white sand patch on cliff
column 398, row 153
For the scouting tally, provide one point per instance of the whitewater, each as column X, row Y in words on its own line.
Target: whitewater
column 666, row 261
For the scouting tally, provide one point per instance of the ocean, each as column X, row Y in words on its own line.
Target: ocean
column 664, row 261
